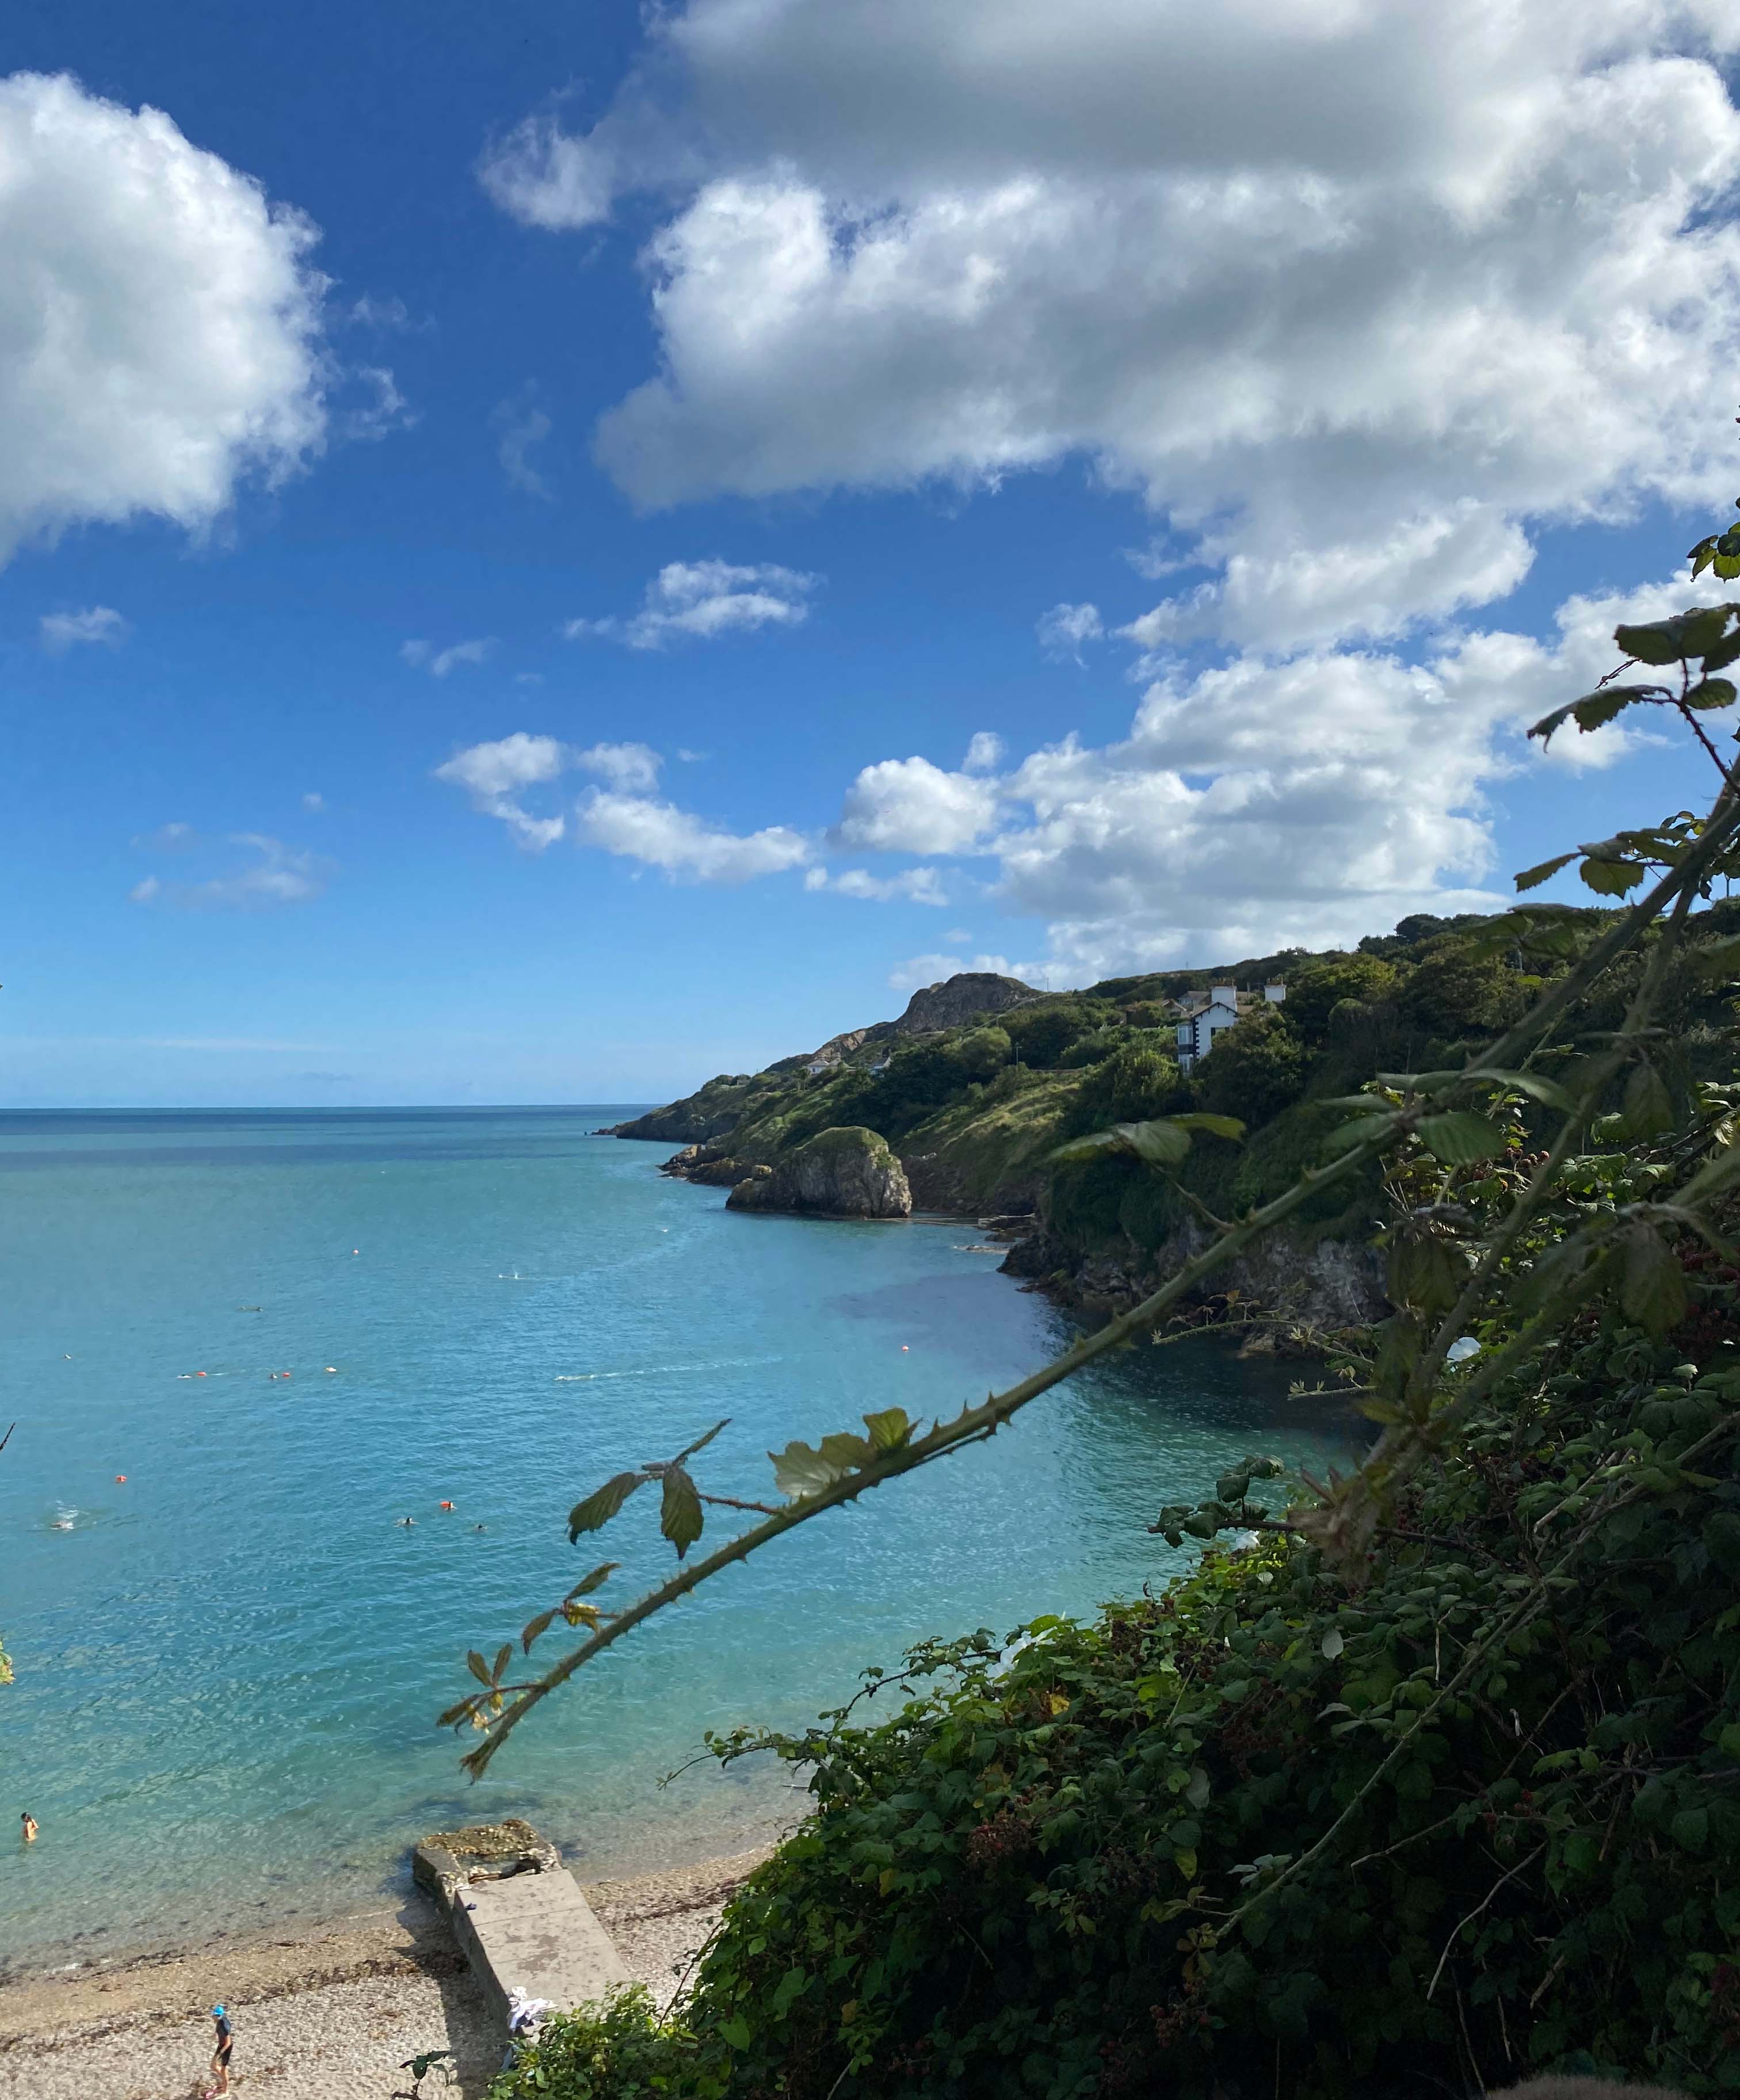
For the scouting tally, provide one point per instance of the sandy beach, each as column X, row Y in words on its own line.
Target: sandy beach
column 339, row 2012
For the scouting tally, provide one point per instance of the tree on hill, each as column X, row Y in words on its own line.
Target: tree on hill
column 1254, row 1070
column 1318, row 986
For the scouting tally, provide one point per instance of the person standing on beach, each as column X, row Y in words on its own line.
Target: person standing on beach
column 220, row 2056
column 27, row 1827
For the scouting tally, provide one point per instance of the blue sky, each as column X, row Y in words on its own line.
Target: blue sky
column 430, row 427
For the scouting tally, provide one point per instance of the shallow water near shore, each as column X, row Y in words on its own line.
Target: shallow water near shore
column 229, row 1662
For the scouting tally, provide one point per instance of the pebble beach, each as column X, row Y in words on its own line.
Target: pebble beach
column 340, row 2012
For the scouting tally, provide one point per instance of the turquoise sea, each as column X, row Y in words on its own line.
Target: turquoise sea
column 229, row 1663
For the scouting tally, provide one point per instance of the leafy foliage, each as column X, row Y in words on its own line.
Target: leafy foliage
column 1254, row 1070
column 1439, row 1777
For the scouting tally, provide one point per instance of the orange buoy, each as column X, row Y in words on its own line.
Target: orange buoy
column 120, row 1479
column 447, row 1506
column 199, row 1375
column 903, row 1347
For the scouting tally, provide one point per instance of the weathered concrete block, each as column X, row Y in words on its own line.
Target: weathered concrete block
column 519, row 1915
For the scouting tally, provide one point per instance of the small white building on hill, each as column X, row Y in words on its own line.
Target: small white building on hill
column 1220, row 1008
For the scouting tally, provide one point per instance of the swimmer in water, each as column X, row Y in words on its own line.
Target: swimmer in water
column 27, row 1827
column 407, row 1521
column 480, row 1527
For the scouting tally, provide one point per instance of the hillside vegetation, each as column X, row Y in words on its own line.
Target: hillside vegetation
column 974, row 1112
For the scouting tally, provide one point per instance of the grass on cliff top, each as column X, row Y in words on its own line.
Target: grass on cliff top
column 990, row 1142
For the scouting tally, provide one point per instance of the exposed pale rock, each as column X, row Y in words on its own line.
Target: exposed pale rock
column 845, row 1173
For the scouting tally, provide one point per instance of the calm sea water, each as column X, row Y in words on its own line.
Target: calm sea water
column 229, row 1663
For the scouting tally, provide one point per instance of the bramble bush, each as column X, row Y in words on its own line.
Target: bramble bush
column 1434, row 1776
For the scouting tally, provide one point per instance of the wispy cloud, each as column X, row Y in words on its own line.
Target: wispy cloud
column 62, row 631
column 384, row 411
column 277, row 874
column 700, row 600
column 913, row 885
column 425, row 656
column 520, row 423
column 1064, row 630
column 496, row 774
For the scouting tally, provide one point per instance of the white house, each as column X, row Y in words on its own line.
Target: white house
column 1221, row 1008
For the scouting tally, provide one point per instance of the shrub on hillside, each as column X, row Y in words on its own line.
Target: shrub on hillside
column 1040, row 1034
column 1254, row 1070
column 1318, row 986
column 1139, row 1080
column 1090, row 1865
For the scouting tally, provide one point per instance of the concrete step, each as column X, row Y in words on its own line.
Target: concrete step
column 519, row 1915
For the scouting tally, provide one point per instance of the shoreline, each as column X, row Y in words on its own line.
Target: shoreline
column 330, row 2003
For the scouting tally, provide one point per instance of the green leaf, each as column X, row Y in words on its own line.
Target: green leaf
column 1531, row 878
column 1714, row 1177
column 1653, row 1287
column 1719, row 957
column 1079, row 1149
column 701, row 1443
column 1426, row 1272
column 1419, row 1082
column 1670, row 640
column 1358, row 1131
column 1712, row 693
column 598, row 1509
column 680, row 1518
column 1729, row 1742
column 479, row 1669
column 1216, row 1125
column 1612, row 878
column 890, row 1431
column 587, row 1583
column 504, row 1656
column 1534, row 1084
column 735, row 2031
column 1721, row 1538
column 1690, row 1829
column 535, row 1627
column 1460, row 1137
column 1648, row 1107
column 1161, row 1143
column 799, row 1471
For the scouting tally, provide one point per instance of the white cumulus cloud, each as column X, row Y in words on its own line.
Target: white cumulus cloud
column 1354, row 296
column 703, row 600
column 159, row 319
column 661, row 835
column 496, row 776
column 909, row 806
column 61, row 631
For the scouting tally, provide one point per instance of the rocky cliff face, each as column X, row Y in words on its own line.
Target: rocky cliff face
column 847, row 1173
column 1325, row 1285
column 958, row 999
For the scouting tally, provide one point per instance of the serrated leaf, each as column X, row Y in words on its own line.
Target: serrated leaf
column 1426, row 1272
column 1531, row 878
column 1162, row 1143
column 1647, row 1106
column 1535, row 1084
column 701, row 1443
column 596, row 1580
column 1653, row 1286
column 680, row 1518
column 1670, row 640
column 1418, row 1082
column 535, row 1627
column 1460, row 1137
column 1611, row 878
column 1358, row 1131
column 890, row 1431
column 504, row 1656
column 1713, row 1177
column 800, row 1470
column 1079, row 1149
column 479, row 1668
column 599, row 1507
column 1712, row 693
column 1216, row 1125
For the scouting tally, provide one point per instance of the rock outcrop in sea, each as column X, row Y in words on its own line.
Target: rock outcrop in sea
column 845, row 1173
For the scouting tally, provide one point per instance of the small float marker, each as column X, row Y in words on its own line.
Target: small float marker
column 121, row 1480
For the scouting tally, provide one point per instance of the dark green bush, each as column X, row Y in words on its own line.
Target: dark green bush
column 1139, row 1080
column 1319, row 985
column 1041, row 1034
column 1088, row 1866
column 1254, row 1070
